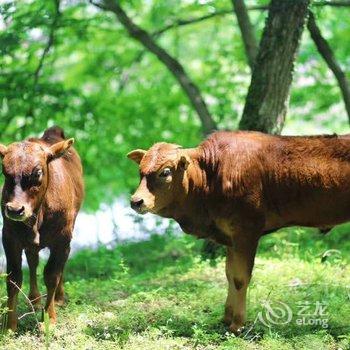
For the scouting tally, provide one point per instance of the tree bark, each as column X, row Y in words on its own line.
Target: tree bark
column 247, row 31
column 326, row 52
column 268, row 94
column 174, row 66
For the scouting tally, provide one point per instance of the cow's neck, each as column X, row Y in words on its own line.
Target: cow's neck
column 194, row 190
column 192, row 210
column 35, row 221
column 196, row 179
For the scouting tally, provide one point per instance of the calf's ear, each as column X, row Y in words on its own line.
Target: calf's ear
column 3, row 150
column 136, row 155
column 59, row 149
column 183, row 162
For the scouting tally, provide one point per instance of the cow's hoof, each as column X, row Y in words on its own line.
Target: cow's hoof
column 35, row 301
column 45, row 327
column 228, row 315
column 60, row 302
column 12, row 326
column 227, row 320
column 236, row 329
column 9, row 322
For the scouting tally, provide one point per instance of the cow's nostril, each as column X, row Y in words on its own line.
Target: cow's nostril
column 15, row 210
column 136, row 203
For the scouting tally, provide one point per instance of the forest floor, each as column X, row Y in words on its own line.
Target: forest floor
column 160, row 294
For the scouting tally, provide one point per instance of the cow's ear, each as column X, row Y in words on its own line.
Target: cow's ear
column 136, row 155
column 3, row 150
column 183, row 162
column 59, row 149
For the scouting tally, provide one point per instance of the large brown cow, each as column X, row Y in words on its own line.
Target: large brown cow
column 41, row 197
column 237, row 186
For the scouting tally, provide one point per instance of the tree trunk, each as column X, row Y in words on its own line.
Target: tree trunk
column 174, row 66
column 268, row 94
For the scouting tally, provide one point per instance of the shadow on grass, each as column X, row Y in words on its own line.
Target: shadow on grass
column 192, row 309
column 306, row 243
column 145, row 266
column 205, row 331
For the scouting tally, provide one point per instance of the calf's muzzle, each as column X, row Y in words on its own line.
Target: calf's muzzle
column 136, row 203
column 14, row 211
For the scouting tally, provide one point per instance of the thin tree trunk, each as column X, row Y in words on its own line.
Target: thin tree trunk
column 174, row 66
column 247, row 31
column 326, row 52
column 268, row 94
column 30, row 113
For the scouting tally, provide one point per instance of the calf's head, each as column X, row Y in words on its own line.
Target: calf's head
column 25, row 167
column 162, row 170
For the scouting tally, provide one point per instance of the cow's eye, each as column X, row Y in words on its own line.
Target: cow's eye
column 36, row 176
column 165, row 172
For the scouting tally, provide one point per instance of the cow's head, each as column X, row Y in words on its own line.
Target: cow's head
column 162, row 169
column 25, row 167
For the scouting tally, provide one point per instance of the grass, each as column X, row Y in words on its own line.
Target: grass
column 160, row 294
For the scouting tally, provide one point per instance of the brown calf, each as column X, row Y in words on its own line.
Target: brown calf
column 41, row 197
column 236, row 186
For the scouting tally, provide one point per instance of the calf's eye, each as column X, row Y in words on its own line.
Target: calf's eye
column 165, row 172
column 37, row 174
column 36, row 177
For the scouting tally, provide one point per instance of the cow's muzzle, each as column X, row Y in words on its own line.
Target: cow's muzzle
column 15, row 212
column 137, row 204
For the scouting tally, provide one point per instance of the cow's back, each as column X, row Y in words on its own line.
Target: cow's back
column 307, row 180
column 65, row 190
column 290, row 180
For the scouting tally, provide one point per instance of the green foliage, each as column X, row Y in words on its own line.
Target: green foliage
column 112, row 96
column 159, row 294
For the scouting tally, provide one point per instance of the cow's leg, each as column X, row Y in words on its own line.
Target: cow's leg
column 228, row 317
column 13, row 252
column 52, row 274
column 33, row 261
column 240, row 262
column 59, row 295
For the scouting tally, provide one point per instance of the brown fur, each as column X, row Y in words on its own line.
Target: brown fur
column 236, row 186
column 50, row 202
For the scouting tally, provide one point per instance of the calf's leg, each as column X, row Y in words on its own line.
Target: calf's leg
column 52, row 275
column 228, row 316
column 239, row 266
column 13, row 252
column 59, row 295
column 33, row 261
